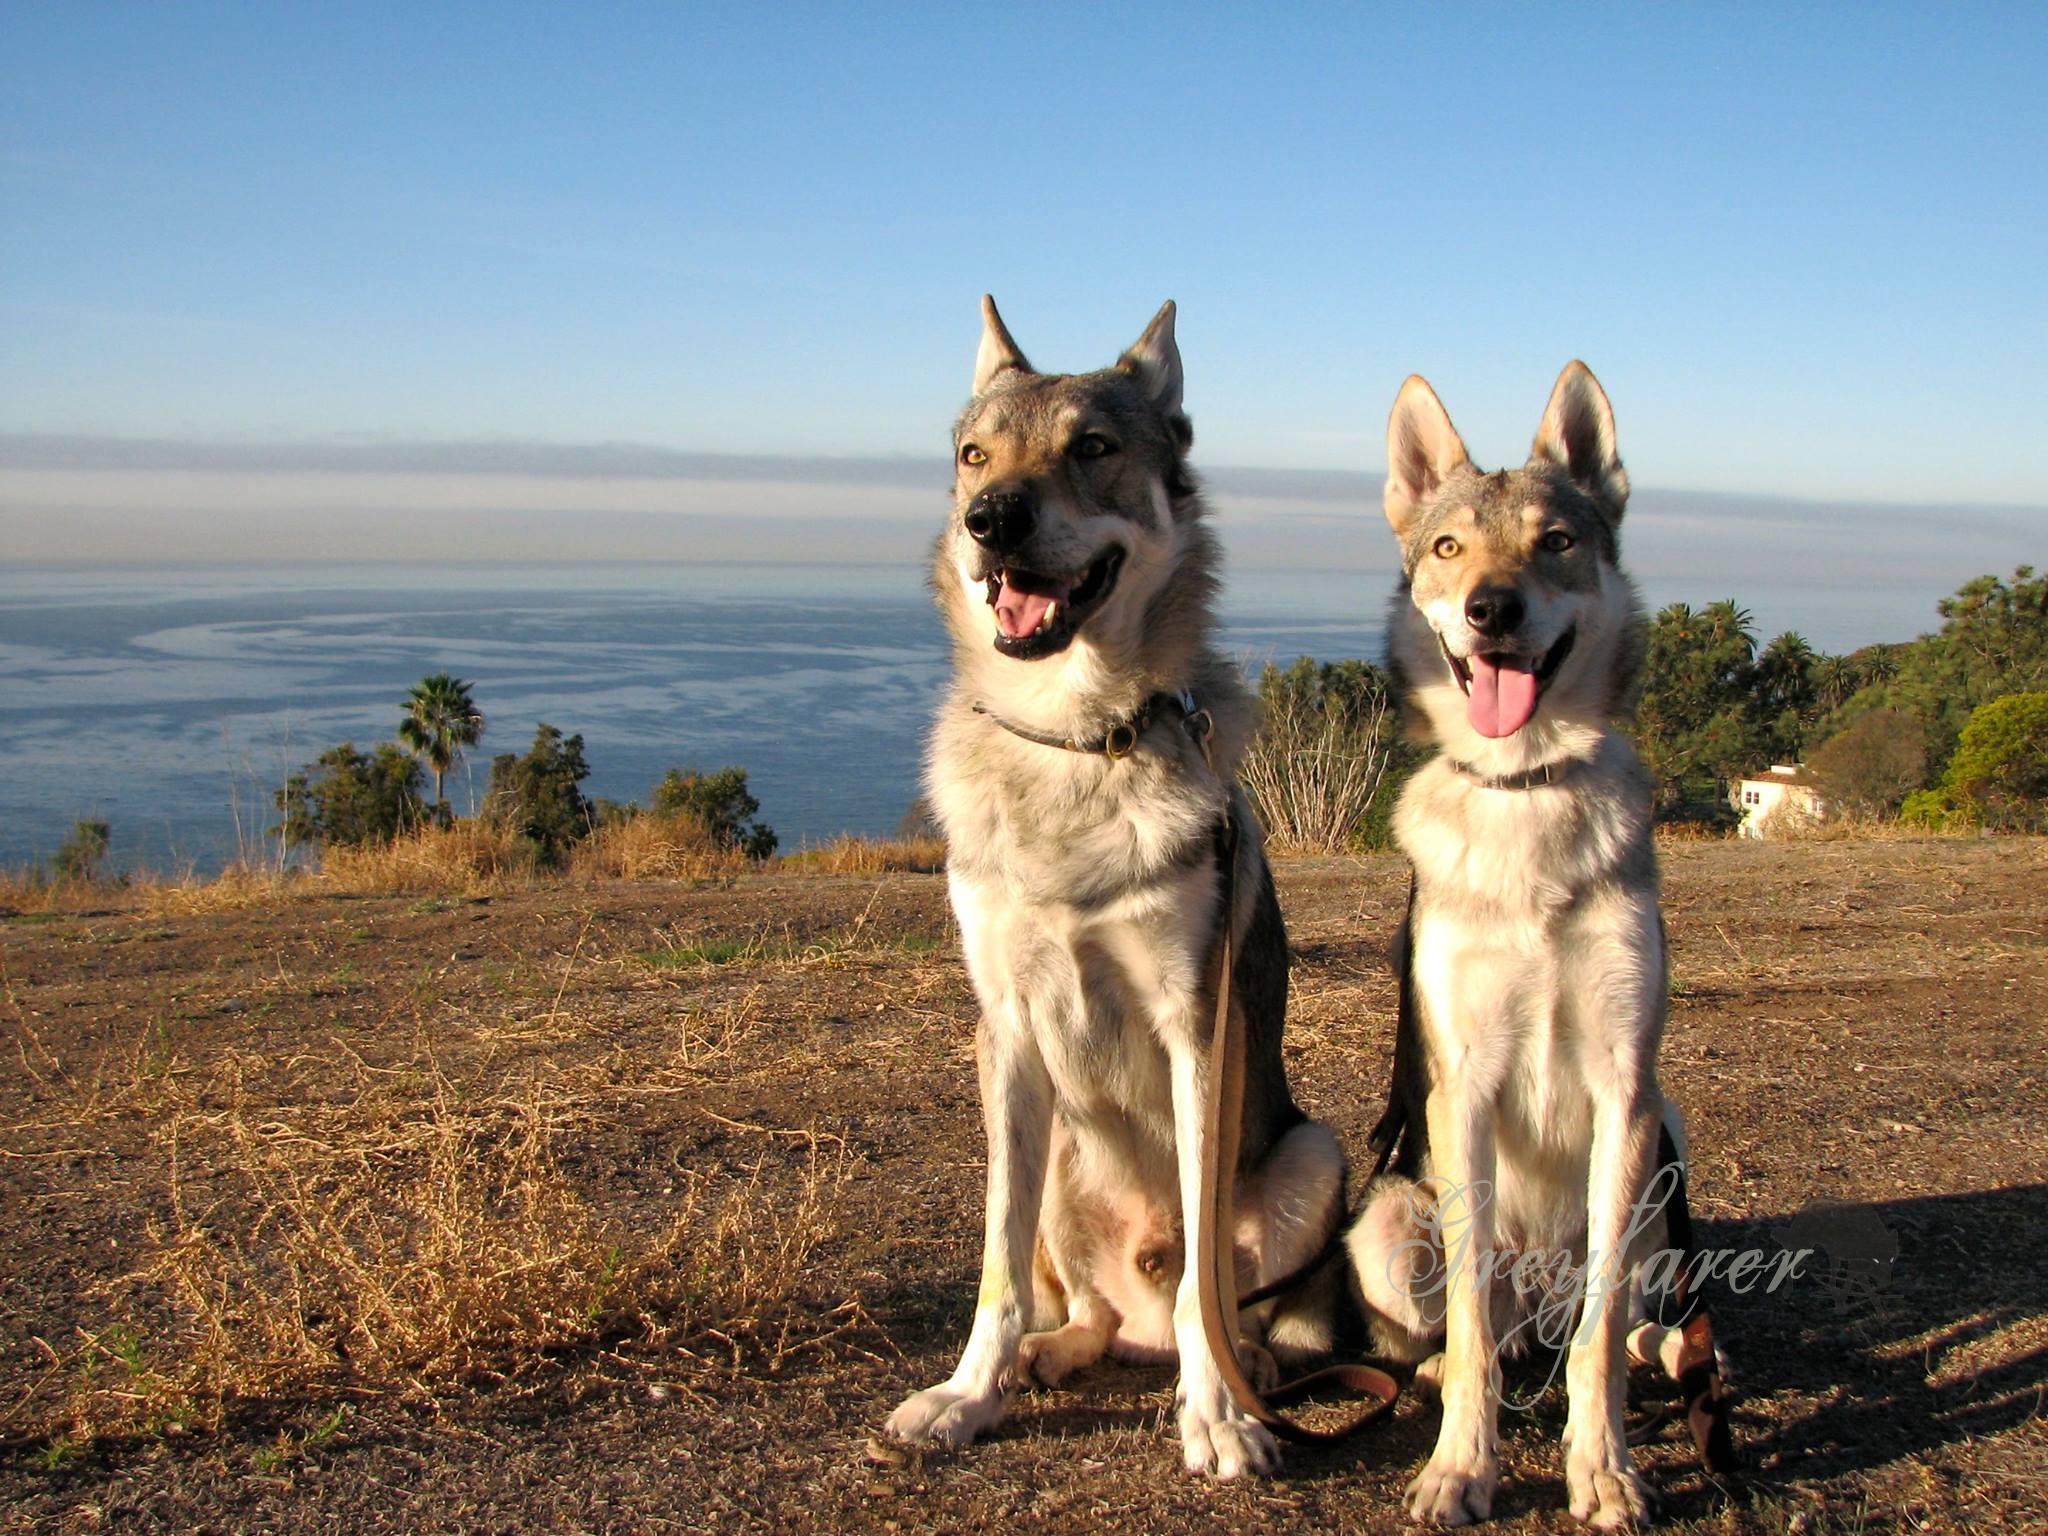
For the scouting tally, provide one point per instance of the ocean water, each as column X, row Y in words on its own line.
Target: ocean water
column 172, row 701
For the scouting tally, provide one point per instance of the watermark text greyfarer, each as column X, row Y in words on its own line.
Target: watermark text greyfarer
column 1553, row 1287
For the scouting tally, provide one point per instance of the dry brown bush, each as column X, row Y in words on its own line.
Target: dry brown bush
column 235, row 887
column 850, row 855
column 30, row 890
column 652, row 846
column 468, row 858
column 1314, row 768
column 1693, row 832
column 1846, row 826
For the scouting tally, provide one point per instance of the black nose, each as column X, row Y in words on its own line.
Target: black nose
column 1000, row 520
column 1495, row 611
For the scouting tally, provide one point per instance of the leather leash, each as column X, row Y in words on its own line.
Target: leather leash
column 1215, row 1258
column 1216, row 1262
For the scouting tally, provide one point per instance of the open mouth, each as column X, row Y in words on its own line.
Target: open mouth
column 1038, row 615
column 1502, row 690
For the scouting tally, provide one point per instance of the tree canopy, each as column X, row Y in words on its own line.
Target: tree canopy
column 721, row 802
column 1993, row 641
column 538, row 793
column 349, row 797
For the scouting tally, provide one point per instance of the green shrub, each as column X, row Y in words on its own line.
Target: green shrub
column 348, row 798
column 1932, row 811
column 721, row 802
column 78, row 858
column 538, row 794
column 1998, row 777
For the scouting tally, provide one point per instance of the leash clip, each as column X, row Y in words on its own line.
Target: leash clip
column 1202, row 726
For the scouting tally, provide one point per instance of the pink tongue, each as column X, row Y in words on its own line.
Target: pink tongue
column 1019, row 613
column 1502, row 698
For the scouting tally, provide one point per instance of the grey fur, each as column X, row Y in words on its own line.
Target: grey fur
column 1087, row 889
column 1533, row 963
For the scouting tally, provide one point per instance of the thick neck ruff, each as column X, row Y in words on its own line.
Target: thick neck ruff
column 1539, row 777
column 1121, row 739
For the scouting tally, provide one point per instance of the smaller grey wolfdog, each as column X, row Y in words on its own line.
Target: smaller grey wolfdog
column 1533, row 963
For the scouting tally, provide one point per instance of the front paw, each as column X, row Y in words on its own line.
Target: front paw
column 1217, row 1439
column 1606, row 1492
column 1453, row 1490
column 944, row 1415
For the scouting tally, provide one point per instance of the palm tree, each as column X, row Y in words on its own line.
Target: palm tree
column 1785, row 672
column 1837, row 680
column 1679, row 618
column 1790, row 651
column 440, row 720
column 1728, row 621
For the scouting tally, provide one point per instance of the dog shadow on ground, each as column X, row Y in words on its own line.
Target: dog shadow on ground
column 1902, row 1335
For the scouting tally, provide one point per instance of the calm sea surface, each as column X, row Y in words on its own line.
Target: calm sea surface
column 171, row 702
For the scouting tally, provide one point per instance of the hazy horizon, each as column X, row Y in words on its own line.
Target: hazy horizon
column 112, row 501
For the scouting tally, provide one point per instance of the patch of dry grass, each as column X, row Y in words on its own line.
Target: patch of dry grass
column 1847, row 827
column 1686, row 832
column 472, row 857
column 30, row 890
column 419, row 1236
column 850, row 855
column 237, row 887
column 654, row 847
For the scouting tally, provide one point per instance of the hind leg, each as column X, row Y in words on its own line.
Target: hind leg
column 1396, row 1257
column 1050, row 1357
column 1078, row 1237
column 1286, row 1210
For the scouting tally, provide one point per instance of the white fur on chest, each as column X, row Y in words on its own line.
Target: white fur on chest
column 1538, row 962
column 1529, row 852
column 1093, row 988
column 1055, row 826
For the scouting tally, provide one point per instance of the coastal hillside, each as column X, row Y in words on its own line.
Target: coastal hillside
column 634, row 1206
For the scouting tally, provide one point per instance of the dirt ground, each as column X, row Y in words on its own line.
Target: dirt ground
column 1856, row 1036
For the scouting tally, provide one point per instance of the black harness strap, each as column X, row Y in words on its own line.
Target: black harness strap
column 1213, row 1258
column 1401, row 1135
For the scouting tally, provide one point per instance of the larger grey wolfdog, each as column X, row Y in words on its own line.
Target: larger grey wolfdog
column 1083, row 768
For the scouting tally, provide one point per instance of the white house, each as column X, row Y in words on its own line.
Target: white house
column 1787, row 790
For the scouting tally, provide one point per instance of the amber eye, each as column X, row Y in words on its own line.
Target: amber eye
column 1447, row 548
column 1557, row 541
column 973, row 455
column 1092, row 445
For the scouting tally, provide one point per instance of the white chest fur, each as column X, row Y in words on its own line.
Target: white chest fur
column 1538, row 963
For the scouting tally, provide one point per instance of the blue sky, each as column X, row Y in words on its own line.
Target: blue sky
column 1804, row 247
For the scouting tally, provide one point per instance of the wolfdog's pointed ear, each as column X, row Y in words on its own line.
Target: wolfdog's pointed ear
column 1422, row 450
column 997, row 351
column 1154, row 358
column 1577, row 434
